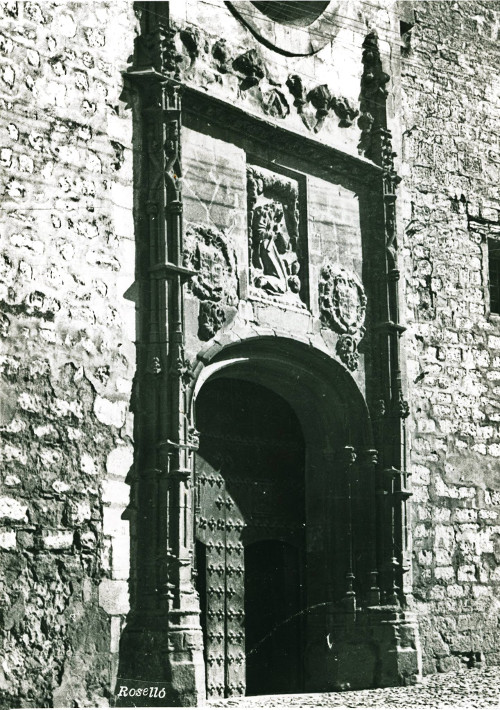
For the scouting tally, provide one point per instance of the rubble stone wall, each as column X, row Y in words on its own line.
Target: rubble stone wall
column 450, row 170
column 67, row 356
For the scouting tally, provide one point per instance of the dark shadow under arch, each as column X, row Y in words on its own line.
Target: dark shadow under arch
column 274, row 619
column 311, row 381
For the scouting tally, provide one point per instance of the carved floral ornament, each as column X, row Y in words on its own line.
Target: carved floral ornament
column 186, row 51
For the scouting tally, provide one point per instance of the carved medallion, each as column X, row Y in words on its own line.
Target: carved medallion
column 342, row 304
column 275, row 250
column 342, row 299
column 208, row 252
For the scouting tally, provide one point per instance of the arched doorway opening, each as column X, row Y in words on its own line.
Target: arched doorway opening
column 251, row 538
column 292, row 536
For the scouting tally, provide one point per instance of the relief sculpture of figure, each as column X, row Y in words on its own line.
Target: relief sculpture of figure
column 275, row 263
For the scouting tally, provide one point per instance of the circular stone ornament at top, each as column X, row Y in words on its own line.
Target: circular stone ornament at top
column 294, row 29
column 298, row 13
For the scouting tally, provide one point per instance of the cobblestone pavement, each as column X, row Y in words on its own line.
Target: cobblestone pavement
column 476, row 688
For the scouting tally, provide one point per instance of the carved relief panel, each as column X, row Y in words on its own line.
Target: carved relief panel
column 277, row 249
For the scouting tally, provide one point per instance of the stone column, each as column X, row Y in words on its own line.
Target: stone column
column 391, row 434
column 369, row 463
column 163, row 641
column 348, row 458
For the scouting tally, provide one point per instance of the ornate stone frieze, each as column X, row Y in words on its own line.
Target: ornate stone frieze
column 344, row 111
column 323, row 101
column 275, row 250
column 190, row 37
column 222, row 56
column 275, row 104
column 208, row 252
column 296, row 87
column 171, row 58
column 251, row 68
column 320, row 97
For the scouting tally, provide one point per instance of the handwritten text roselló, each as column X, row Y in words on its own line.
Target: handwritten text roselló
column 153, row 691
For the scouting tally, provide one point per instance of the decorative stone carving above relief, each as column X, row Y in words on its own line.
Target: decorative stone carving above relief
column 208, row 252
column 275, row 104
column 342, row 303
column 276, row 254
column 323, row 101
column 191, row 40
column 222, row 56
column 251, row 68
column 187, row 53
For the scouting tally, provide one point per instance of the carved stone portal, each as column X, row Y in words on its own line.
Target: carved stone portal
column 276, row 256
column 342, row 304
column 207, row 252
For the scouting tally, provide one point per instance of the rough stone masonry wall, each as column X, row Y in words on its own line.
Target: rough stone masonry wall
column 67, row 356
column 450, row 200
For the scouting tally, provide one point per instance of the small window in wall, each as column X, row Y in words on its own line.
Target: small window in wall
column 494, row 274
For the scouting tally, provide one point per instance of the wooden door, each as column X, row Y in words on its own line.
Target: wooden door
column 250, row 496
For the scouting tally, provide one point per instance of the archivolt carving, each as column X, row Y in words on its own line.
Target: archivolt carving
column 207, row 251
column 274, row 237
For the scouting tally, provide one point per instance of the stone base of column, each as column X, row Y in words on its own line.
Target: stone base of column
column 161, row 665
column 376, row 648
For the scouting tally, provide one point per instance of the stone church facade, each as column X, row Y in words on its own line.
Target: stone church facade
column 250, row 320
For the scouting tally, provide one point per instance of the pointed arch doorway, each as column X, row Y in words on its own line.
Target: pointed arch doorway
column 270, row 518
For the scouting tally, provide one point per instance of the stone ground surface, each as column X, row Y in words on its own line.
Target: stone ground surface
column 475, row 688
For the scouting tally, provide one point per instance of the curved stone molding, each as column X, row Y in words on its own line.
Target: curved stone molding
column 298, row 31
